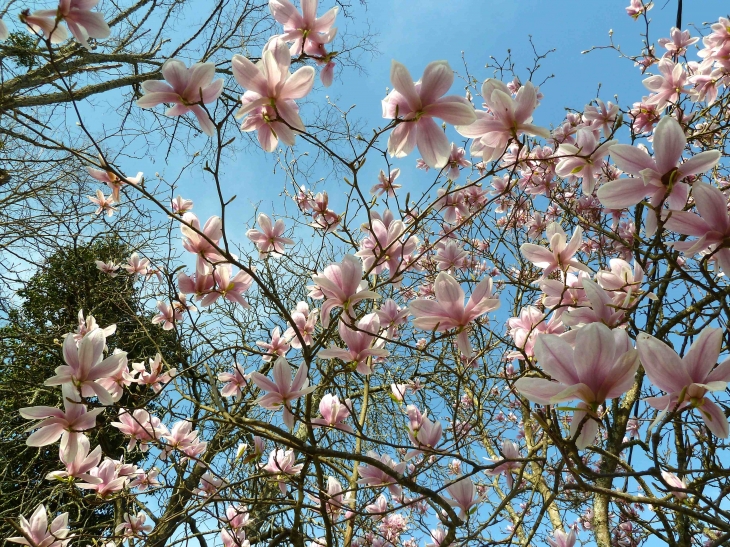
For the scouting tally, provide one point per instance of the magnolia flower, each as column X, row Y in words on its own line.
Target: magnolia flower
column 448, row 310
column 687, row 380
column 107, row 176
column 362, row 344
column 673, row 480
column 304, row 321
column 185, row 88
column 417, row 104
column 269, row 105
column 386, row 184
column 637, row 7
column 601, row 366
column 561, row 252
column 140, row 427
column 268, row 240
column 583, row 158
column 300, row 27
column 36, row 532
column 463, row 495
column 136, row 265
column 155, row 378
column 334, row 499
column 235, row 382
column 103, row 203
column 281, row 464
column 283, row 389
column 506, row 119
column 342, row 286
column 181, row 205
column 81, row 21
column 661, row 177
column 79, row 466
column 711, row 226
column 106, row 479
column 133, row 525
column 667, row 86
column 511, row 451
column 202, row 242
column 333, row 413
column 276, row 348
column 372, row 476
column 562, row 539
column 109, row 268
column 84, row 366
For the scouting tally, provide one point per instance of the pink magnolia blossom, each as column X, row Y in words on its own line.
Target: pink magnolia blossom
column 561, row 538
column 600, row 308
column 269, row 104
column 456, row 159
column 668, row 86
column 183, row 438
column 463, row 495
column 235, row 382
column 583, row 158
column 300, row 27
column 342, row 286
column 677, row 43
column 140, row 427
column 187, row 89
column 362, row 344
column 711, row 226
column 334, row 499
column 106, row 479
column 180, row 205
column 84, row 366
column 386, row 184
column 230, row 288
column 438, row 536
column 386, row 246
column 603, row 115
column 269, row 240
column 448, row 310
column 688, row 380
column 423, row 433
column 133, row 525
column 304, row 323
column 79, row 466
column 89, row 324
column 378, row 508
column 661, row 177
column 136, row 265
column 81, row 21
column 67, row 425
column 417, row 104
column 333, row 413
column 507, row 119
column 37, row 533
column 110, row 268
column 144, row 481
column 202, row 242
column 276, row 348
column 108, row 177
column 601, row 366
column 155, row 378
column 451, row 256
column 374, row 477
column 392, row 316
column 511, row 451
column 637, row 8
column 561, row 252
column 282, row 465
column 673, row 480
column 103, row 204
column 283, row 389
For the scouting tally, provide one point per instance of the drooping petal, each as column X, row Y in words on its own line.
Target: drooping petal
column 432, row 143
column 662, row 364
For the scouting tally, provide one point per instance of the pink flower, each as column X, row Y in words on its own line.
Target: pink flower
column 269, row 102
column 109, row 268
column 392, row 316
column 511, row 452
column 669, row 85
column 186, row 88
column 687, row 380
column 602, row 115
column 38, row 534
column 660, row 175
column 106, row 479
column 79, row 466
column 155, row 378
column 386, row 246
column 283, row 389
column 235, row 382
column 386, row 184
column 103, row 203
column 133, row 525
column 373, row 476
column 107, row 176
column 342, row 286
column 81, row 21
column 276, row 348
column 506, row 119
column 203, row 242
column 229, row 288
column 448, row 310
column 304, row 322
column 282, row 464
column 561, row 253
column 140, row 427
column 456, row 160
column 268, row 240
column 181, row 205
column 362, row 343
column 601, row 366
column 182, row 437
column 423, row 433
column 84, row 366
column 711, row 226
column 298, row 27
column 673, row 480
column 560, row 538
column 677, row 43
column 463, row 495
column 417, row 104
column 583, row 158
column 333, row 413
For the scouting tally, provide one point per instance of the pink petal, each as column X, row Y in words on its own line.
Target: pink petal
column 669, row 143
column 555, row 357
column 702, row 356
column 622, row 193
column 714, row 418
column 631, row 159
column 402, row 140
column 702, row 162
column 298, row 84
column 432, row 143
column 403, row 84
column 436, row 81
column 452, row 109
column 712, row 205
column 662, row 364
column 249, row 76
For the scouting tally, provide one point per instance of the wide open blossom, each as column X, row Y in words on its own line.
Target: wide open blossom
column 182, row 437
column 601, row 307
column 386, row 184
column 362, row 344
column 602, row 115
column 668, row 85
column 392, row 316
column 282, row 465
column 67, row 425
column 81, row 21
column 561, row 252
column 230, row 288
column 136, row 265
column 133, row 525
column 106, row 479
column 103, row 204
column 463, row 495
column 374, row 477
column 299, row 27
column 38, row 532
column 277, row 347
column 448, row 310
column 601, row 366
column 269, row 104
column 385, row 247
column 283, row 389
column 687, row 380
column 140, row 427
column 711, row 226
column 235, row 382
column 659, row 177
column 507, row 119
column 185, row 88
column 418, row 104
column 268, row 239
column 156, row 377
column 342, row 286
column 84, row 366
column 333, row 413
column 108, row 177
column 203, row 244
column 583, row 159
